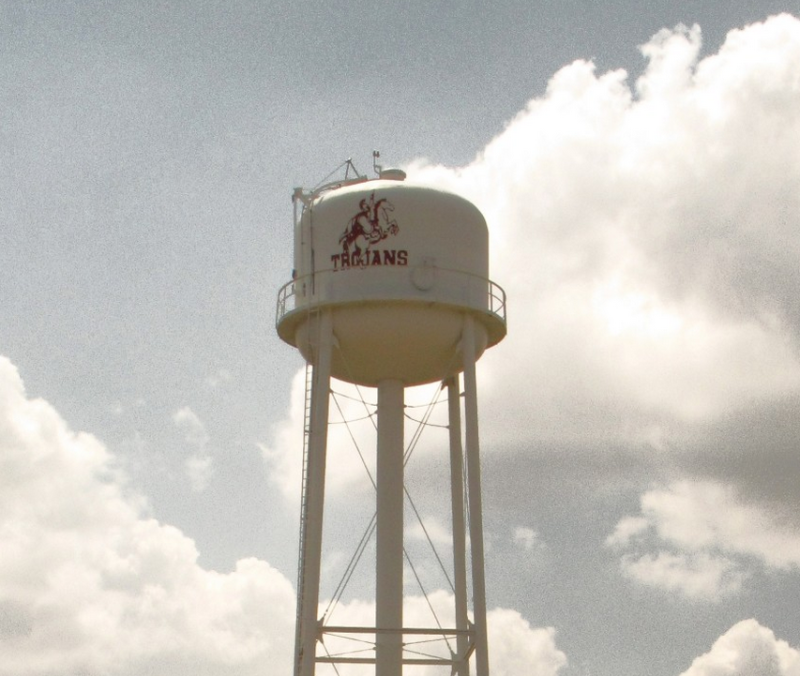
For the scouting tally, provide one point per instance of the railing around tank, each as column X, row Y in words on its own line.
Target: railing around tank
column 453, row 287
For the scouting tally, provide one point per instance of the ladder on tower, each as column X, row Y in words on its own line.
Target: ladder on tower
column 303, row 509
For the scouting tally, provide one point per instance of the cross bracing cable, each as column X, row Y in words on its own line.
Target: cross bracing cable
column 351, row 567
column 345, row 637
column 421, row 424
column 353, row 563
column 420, row 653
column 355, row 443
column 428, row 424
column 428, row 538
column 424, row 405
column 333, row 664
column 352, row 420
column 425, row 595
column 359, row 399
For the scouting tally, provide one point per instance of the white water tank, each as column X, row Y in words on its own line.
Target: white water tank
column 398, row 265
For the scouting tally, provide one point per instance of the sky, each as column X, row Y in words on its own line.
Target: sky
column 638, row 165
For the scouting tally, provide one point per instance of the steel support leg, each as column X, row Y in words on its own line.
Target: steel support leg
column 459, row 528
column 305, row 658
column 468, row 352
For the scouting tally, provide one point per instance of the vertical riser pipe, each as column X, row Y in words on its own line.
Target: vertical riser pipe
column 389, row 558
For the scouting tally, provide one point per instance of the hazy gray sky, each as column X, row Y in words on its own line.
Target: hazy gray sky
column 640, row 422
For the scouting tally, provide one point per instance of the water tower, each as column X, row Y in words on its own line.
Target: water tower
column 391, row 289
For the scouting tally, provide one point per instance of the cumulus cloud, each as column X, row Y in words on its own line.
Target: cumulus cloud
column 646, row 235
column 702, row 539
column 91, row 583
column 518, row 648
column 747, row 649
column 698, row 576
column 284, row 452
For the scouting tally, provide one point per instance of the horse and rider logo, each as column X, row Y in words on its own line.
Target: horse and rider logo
column 371, row 225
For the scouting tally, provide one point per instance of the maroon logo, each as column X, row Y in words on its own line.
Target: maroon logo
column 371, row 225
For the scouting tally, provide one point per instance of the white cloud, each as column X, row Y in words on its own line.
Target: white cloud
column 627, row 528
column 517, row 648
column 698, row 576
column 90, row 583
column 284, row 453
column 702, row 539
column 436, row 531
column 747, row 649
column 199, row 468
column 200, row 465
column 647, row 240
column 192, row 427
column 218, row 378
column 527, row 538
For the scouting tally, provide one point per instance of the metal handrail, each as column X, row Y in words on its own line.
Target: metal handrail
column 496, row 295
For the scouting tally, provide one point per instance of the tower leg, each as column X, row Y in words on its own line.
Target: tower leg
column 305, row 657
column 389, row 536
column 474, row 487
column 459, row 529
